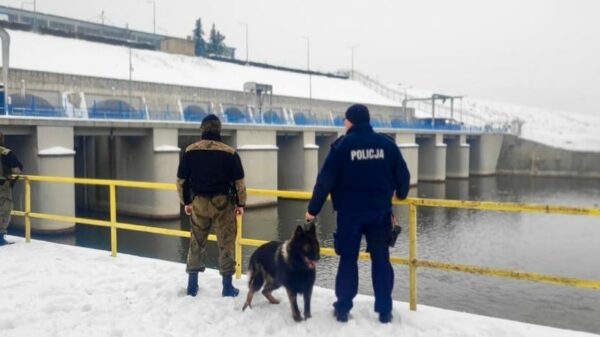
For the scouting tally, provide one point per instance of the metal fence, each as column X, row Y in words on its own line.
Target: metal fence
column 299, row 118
column 413, row 203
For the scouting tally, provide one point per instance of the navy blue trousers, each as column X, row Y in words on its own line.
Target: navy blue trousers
column 376, row 227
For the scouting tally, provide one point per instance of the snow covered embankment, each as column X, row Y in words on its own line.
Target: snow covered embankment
column 49, row 289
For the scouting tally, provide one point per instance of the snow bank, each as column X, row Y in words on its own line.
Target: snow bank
column 49, row 289
column 48, row 53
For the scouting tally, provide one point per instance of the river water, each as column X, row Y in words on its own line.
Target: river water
column 553, row 244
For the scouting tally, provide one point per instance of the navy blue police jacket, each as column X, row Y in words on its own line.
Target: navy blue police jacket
column 361, row 171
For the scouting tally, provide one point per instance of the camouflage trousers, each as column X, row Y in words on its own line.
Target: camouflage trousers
column 6, row 205
column 216, row 212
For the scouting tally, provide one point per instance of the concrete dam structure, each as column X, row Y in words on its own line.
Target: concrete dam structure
column 274, row 157
column 81, row 115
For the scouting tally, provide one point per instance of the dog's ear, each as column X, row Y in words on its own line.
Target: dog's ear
column 298, row 232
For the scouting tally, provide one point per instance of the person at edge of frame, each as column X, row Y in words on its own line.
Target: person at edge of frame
column 10, row 166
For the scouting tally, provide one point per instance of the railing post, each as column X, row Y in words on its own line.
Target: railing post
column 412, row 255
column 113, row 219
column 238, row 247
column 27, row 210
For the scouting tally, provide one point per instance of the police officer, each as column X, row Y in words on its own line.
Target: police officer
column 10, row 165
column 361, row 171
column 210, row 183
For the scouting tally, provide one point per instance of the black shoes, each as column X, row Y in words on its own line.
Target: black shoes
column 192, row 287
column 228, row 289
column 340, row 316
column 385, row 317
column 3, row 240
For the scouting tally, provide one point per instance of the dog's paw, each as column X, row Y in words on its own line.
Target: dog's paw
column 246, row 305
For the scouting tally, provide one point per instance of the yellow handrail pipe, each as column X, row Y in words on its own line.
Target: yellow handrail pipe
column 413, row 203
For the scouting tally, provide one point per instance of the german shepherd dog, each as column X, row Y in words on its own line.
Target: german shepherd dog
column 290, row 264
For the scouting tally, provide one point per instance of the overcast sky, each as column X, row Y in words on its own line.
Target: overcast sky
column 543, row 53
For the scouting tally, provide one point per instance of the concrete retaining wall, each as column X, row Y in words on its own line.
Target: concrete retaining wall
column 158, row 96
column 525, row 157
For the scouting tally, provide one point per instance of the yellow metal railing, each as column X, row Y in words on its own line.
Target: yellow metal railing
column 411, row 261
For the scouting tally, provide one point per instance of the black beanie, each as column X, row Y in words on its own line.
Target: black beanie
column 357, row 114
column 211, row 124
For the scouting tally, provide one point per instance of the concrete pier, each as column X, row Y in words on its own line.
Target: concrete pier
column 151, row 157
column 457, row 157
column 410, row 151
column 258, row 152
column 432, row 158
column 324, row 141
column 298, row 160
column 485, row 150
column 50, row 152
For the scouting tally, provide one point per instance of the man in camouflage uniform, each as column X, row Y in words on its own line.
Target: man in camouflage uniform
column 210, row 183
column 10, row 165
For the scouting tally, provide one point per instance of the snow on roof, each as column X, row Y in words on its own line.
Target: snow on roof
column 48, row 53
column 58, row 290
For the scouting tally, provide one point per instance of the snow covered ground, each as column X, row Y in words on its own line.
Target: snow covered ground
column 48, row 53
column 561, row 129
column 48, row 289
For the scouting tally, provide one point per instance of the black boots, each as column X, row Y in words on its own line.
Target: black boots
column 192, row 287
column 228, row 289
column 385, row 317
column 340, row 316
column 3, row 240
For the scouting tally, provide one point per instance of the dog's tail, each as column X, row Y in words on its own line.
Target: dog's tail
column 256, row 278
column 255, row 281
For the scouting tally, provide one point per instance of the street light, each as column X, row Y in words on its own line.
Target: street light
column 245, row 24
column 5, row 38
column 153, row 2
column 130, row 75
column 352, row 61
column 309, row 73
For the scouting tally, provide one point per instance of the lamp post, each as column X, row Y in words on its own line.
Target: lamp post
column 5, row 38
column 245, row 24
column 130, row 75
column 352, row 60
column 153, row 2
column 309, row 74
